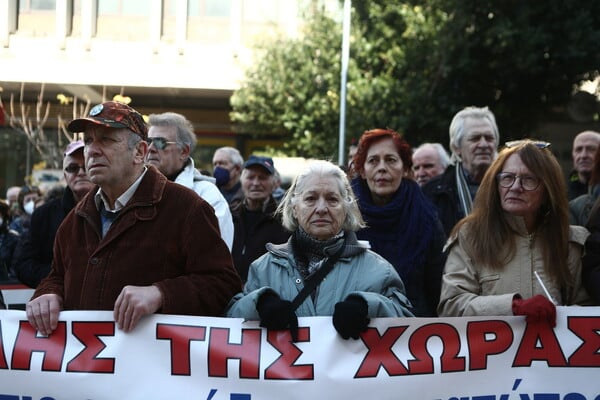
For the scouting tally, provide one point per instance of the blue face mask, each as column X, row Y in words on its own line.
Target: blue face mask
column 221, row 175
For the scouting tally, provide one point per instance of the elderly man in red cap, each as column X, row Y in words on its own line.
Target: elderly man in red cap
column 137, row 244
column 33, row 254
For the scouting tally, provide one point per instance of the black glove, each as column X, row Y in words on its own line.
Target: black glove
column 277, row 314
column 350, row 317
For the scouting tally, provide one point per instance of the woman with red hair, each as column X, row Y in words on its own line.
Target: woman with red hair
column 402, row 224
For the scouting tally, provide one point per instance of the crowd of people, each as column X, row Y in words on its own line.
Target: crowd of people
column 488, row 229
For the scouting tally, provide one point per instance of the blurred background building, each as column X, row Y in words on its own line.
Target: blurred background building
column 186, row 56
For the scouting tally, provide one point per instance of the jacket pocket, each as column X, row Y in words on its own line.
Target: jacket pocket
column 487, row 283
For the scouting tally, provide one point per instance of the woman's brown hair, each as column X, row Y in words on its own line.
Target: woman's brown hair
column 490, row 240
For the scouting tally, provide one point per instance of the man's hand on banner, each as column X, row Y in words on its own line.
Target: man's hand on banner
column 42, row 312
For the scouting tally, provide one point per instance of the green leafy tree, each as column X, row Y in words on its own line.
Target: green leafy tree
column 523, row 59
column 292, row 91
column 415, row 64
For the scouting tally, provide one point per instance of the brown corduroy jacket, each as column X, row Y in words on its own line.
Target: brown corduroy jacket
column 165, row 236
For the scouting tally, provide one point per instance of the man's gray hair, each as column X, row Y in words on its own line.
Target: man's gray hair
column 457, row 126
column 185, row 129
column 441, row 151
column 353, row 221
column 233, row 154
column 132, row 139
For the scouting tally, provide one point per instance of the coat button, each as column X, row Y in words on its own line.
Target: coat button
column 94, row 261
column 298, row 281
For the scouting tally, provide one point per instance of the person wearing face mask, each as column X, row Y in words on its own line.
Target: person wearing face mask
column 28, row 195
column 33, row 254
column 228, row 164
column 8, row 241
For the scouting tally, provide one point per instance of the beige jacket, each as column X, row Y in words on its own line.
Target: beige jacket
column 469, row 289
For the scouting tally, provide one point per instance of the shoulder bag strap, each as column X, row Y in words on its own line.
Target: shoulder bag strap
column 313, row 282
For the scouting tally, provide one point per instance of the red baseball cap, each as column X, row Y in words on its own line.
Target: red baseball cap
column 112, row 114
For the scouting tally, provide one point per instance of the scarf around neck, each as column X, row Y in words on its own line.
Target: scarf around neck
column 311, row 253
column 401, row 230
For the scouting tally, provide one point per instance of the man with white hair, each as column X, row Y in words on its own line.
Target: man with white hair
column 584, row 149
column 474, row 142
column 172, row 141
column 429, row 161
column 228, row 164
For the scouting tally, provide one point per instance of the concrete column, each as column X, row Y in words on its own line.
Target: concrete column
column 181, row 25
column 155, row 24
column 64, row 21
column 8, row 20
column 237, row 9
column 89, row 22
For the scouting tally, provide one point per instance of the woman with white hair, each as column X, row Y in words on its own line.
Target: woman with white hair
column 321, row 212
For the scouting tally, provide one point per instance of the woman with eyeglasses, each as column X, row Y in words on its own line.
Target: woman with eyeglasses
column 516, row 253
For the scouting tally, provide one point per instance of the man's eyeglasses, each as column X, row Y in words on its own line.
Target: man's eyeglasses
column 537, row 143
column 74, row 168
column 507, row 179
column 159, row 142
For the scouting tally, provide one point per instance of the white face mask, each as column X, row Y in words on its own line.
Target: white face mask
column 29, row 206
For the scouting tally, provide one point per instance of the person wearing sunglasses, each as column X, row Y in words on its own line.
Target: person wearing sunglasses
column 33, row 254
column 171, row 142
column 515, row 253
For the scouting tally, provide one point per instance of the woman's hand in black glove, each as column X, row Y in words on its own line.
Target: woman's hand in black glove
column 350, row 317
column 277, row 314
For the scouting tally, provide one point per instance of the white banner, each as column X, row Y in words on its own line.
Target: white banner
column 179, row 357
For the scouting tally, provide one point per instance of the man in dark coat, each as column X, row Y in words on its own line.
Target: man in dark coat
column 33, row 255
column 137, row 244
column 474, row 141
column 254, row 222
column 583, row 152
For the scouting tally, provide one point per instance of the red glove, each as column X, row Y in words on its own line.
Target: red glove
column 538, row 308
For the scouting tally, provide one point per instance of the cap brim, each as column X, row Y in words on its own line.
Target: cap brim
column 74, row 149
column 79, row 125
column 258, row 164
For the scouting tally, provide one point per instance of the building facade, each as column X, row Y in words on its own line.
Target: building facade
column 186, row 56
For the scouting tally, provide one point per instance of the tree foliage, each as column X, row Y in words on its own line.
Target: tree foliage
column 293, row 90
column 415, row 64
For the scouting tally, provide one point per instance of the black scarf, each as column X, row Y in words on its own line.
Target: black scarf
column 310, row 253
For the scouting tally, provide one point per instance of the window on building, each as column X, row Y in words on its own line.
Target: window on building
column 261, row 11
column 36, row 18
column 26, row 6
column 209, row 21
column 123, row 20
